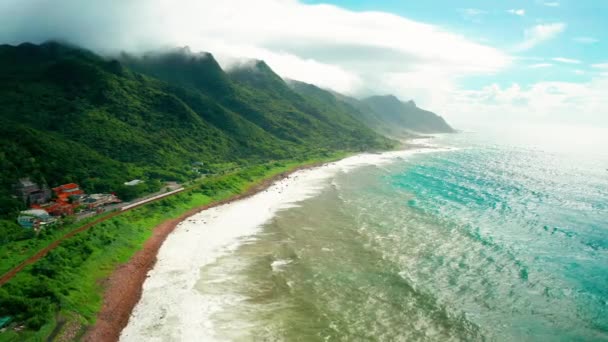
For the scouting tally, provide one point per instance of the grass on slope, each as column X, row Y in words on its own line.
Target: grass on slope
column 24, row 243
column 65, row 284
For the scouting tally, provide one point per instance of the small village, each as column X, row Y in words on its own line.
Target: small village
column 47, row 206
column 50, row 206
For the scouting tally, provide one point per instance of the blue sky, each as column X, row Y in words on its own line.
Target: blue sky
column 496, row 23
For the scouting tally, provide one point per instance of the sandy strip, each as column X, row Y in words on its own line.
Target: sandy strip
column 152, row 297
column 123, row 288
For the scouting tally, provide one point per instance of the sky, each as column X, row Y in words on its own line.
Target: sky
column 496, row 61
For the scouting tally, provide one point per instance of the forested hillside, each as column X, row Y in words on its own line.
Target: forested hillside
column 387, row 115
column 263, row 99
column 396, row 113
column 68, row 115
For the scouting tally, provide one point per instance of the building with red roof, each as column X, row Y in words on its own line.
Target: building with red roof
column 67, row 200
column 67, row 190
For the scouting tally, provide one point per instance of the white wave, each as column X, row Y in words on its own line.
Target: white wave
column 171, row 308
column 277, row 265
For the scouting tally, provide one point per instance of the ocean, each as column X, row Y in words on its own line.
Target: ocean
column 499, row 236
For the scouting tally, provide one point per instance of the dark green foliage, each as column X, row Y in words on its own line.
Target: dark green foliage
column 182, row 67
column 279, row 109
column 127, row 193
column 385, row 114
column 59, row 280
column 10, row 231
column 396, row 113
column 67, row 115
column 260, row 99
column 35, row 296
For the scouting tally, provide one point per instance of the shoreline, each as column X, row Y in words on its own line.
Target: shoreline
column 123, row 288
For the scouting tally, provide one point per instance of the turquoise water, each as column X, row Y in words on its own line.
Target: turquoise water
column 499, row 239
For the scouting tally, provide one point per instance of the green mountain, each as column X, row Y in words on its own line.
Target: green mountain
column 182, row 67
column 349, row 107
column 262, row 98
column 68, row 115
column 374, row 120
column 404, row 115
column 353, row 107
column 387, row 115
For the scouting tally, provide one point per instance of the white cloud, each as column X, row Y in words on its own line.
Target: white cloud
column 471, row 12
column 566, row 60
column 519, row 12
column 586, row 40
column 551, row 4
column 579, row 72
column 539, row 34
column 353, row 52
column 600, row 65
column 561, row 102
column 473, row 15
column 540, row 65
column 529, row 58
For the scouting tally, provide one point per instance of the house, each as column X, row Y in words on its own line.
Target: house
column 65, row 191
column 24, row 187
column 31, row 193
column 133, row 182
column 5, row 320
column 40, row 196
column 34, row 218
column 60, row 208
column 68, row 198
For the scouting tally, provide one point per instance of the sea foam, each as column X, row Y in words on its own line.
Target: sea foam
column 171, row 308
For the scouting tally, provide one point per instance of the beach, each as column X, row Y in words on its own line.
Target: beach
column 123, row 289
column 206, row 233
column 391, row 246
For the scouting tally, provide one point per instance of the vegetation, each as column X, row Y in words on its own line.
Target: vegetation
column 387, row 115
column 66, row 281
column 18, row 244
column 396, row 113
column 68, row 115
column 263, row 100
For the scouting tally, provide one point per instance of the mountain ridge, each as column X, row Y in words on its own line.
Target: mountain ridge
column 150, row 118
column 151, row 115
column 386, row 114
column 406, row 115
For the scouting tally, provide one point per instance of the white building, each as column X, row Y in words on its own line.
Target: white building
column 133, row 182
column 34, row 218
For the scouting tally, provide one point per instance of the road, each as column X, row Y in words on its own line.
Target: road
column 168, row 186
column 40, row 254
